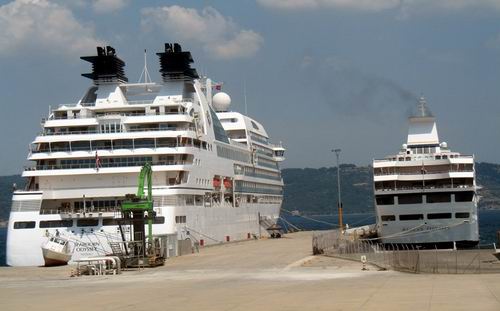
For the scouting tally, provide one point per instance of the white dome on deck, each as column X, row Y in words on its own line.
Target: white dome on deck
column 221, row 102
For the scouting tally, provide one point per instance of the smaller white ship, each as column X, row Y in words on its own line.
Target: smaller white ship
column 426, row 194
column 56, row 251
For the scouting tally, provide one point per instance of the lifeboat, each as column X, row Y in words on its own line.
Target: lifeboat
column 228, row 183
column 216, row 182
column 56, row 251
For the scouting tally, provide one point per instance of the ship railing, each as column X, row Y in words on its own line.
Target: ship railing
column 140, row 102
column 258, row 175
column 73, row 211
column 103, row 165
column 118, row 147
column 117, row 114
column 68, row 133
column 68, row 105
column 156, row 129
column 150, row 129
column 419, row 172
column 426, row 187
column 406, row 158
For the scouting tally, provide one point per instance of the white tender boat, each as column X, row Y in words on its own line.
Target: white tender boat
column 56, row 251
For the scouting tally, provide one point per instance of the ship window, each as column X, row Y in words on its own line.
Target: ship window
column 159, row 220
column 411, row 217
column 87, row 222
column 24, row 225
column 464, row 196
column 385, row 200
column 56, row 223
column 180, row 219
column 439, row 216
column 109, row 222
column 462, row 215
column 388, row 217
column 219, row 132
column 409, row 199
column 438, row 197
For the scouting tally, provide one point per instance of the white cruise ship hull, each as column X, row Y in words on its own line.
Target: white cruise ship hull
column 212, row 225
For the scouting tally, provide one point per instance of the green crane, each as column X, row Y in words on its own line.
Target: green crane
column 138, row 204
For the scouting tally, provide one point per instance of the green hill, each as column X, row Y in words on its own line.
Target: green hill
column 314, row 191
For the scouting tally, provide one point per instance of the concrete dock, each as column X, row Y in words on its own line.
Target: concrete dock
column 261, row 275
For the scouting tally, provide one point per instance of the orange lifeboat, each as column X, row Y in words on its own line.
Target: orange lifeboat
column 228, row 183
column 216, row 182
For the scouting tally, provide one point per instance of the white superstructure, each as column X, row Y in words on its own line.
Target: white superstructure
column 216, row 176
column 426, row 194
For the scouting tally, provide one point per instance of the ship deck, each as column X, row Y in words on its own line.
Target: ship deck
column 268, row 274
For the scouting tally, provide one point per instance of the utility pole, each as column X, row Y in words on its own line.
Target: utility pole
column 339, row 202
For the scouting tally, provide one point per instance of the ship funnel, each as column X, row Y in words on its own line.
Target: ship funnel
column 175, row 65
column 106, row 66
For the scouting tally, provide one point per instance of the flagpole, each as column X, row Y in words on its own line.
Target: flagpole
column 245, row 96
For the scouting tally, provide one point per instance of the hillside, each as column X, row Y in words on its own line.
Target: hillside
column 314, row 191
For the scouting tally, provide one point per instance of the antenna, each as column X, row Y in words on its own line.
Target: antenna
column 245, row 96
column 145, row 72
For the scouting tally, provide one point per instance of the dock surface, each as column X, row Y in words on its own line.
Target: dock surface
column 273, row 274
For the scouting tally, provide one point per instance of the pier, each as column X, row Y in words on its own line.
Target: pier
column 269, row 274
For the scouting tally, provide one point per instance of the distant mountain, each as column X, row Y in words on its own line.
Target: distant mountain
column 314, row 191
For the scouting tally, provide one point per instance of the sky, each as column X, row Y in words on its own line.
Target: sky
column 319, row 74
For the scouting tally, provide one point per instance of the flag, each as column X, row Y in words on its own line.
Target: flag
column 97, row 162
column 218, row 86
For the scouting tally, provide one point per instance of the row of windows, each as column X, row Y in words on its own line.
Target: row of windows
column 267, row 163
column 95, row 145
column 437, row 157
column 255, row 172
column 233, row 154
column 251, row 187
column 407, row 217
column 180, row 219
column 259, row 138
column 438, row 197
column 67, row 223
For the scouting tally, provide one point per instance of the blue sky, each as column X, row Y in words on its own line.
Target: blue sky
column 319, row 73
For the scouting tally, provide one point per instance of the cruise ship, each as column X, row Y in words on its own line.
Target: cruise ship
column 216, row 175
column 426, row 194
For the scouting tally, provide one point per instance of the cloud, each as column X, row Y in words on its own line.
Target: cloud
column 405, row 8
column 108, row 6
column 40, row 24
column 367, row 5
column 217, row 34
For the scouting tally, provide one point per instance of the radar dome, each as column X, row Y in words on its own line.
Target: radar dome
column 404, row 146
column 444, row 145
column 221, row 101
